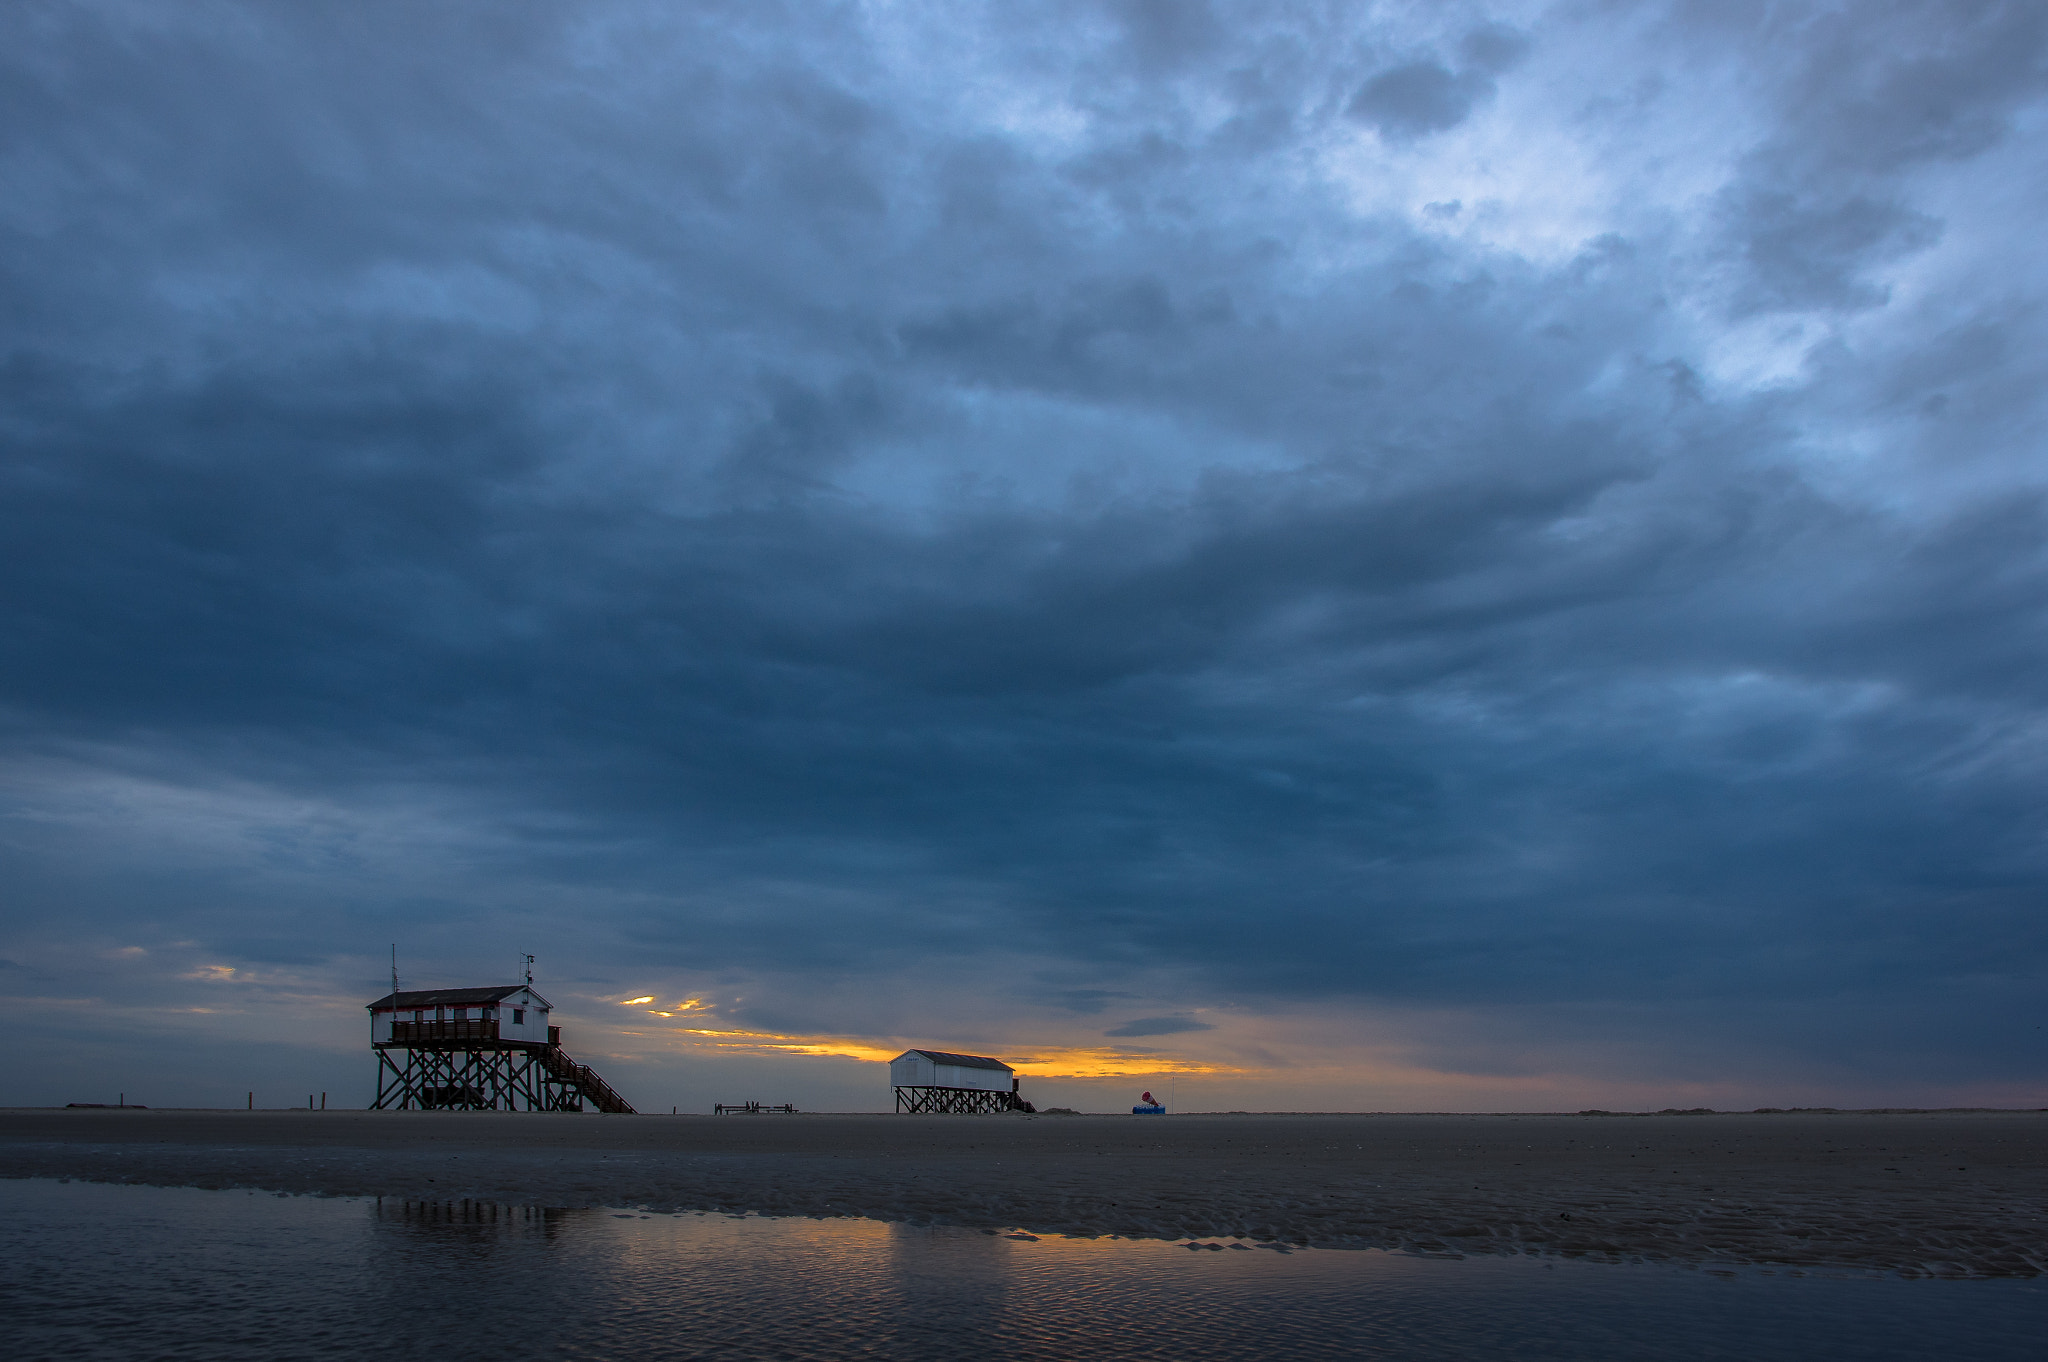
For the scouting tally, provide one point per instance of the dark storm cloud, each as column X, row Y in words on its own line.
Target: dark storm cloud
column 1419, row 97
column 697, row 472
column 1085, row 1001
column 1862, row 95
column 1416, row 98
column 1159, row 1026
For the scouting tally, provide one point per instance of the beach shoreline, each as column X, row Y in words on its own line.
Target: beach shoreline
column 1914, row 1193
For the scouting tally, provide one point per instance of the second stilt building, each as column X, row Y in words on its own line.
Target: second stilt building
column 940, row 1081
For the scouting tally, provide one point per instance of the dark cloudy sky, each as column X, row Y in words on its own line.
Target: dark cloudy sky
column 1435, row 555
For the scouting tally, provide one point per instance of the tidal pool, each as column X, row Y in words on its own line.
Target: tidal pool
column 99, row 1271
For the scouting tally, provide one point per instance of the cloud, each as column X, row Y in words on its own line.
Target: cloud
column 786, row 503
column 1861, row 105
column 1159, row 1026
column 1085, row 1002
column 1423, row 96
column 1417, row 98
column 1809, row 255
column 1494, row 46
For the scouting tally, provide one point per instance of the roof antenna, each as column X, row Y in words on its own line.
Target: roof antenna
column 394, row 968
column 529, row 968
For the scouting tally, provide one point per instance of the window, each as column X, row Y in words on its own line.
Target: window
column 519, row 1016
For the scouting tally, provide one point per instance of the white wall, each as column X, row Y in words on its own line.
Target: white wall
column 988, row 1080
column 915, row 1071
column 534, row 1029
column 911, row 1071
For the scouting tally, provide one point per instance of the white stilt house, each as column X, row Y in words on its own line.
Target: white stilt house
column 510, row 1012
column 479, row 1049
column 940, row 1081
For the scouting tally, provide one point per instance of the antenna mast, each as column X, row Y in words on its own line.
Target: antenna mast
column 394, row 967
column 528, row 961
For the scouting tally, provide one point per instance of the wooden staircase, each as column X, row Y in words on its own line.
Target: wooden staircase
column 584, row 1079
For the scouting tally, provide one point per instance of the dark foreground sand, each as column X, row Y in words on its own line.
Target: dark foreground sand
column 1941, row 1193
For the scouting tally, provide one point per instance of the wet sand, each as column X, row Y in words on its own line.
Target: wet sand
column 1949, row 1194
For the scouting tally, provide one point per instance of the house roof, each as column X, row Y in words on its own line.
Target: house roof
column 959, row 1061
column 457, row 997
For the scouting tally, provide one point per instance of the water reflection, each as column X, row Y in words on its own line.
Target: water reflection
column 129, row 1271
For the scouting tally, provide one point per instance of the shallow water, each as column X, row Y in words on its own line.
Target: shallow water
column 142, row 1272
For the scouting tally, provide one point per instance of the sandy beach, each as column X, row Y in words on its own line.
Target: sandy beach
column 1951, row 1194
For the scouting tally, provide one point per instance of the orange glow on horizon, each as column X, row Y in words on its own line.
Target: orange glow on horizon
column 1102, row 1062
column 1055, row 1061
column 1041, row 1061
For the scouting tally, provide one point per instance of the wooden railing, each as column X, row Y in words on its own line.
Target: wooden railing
column 600, row 1093
column 458, row 1033
column 442, row 1032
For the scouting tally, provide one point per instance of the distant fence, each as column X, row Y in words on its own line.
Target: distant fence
column 751, row 1109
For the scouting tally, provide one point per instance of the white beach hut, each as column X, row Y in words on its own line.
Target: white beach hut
column 944, row 1081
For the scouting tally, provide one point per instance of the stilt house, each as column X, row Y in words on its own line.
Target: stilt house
column 479, row 1049
column 942, row 1081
